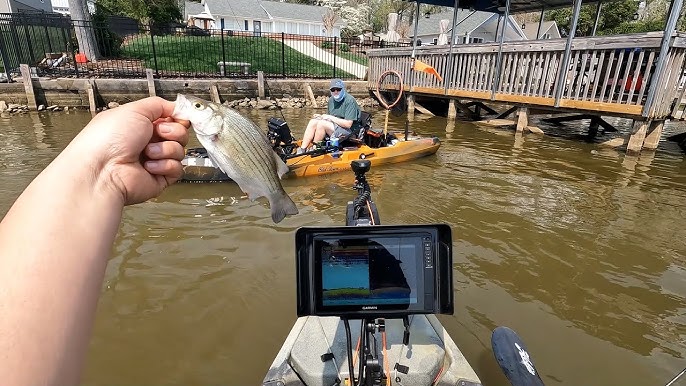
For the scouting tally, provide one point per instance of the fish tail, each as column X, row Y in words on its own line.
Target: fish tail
column 281, row 205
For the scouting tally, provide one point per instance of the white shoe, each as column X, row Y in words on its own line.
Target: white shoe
column 299, row 150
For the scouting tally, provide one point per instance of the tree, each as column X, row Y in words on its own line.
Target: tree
column 155, row 13
column 356, row 18
column 612, row 15
column 83, row 28
column 330, row 18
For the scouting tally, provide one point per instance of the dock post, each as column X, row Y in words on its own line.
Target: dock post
column 310, row 95
column 214, row 93
column 522, row 119
column 91, row 96
column 260, row 84
column 452, row 109
column 410, row 107
column 637, row 137
column 151, row 82
column 654, row 134
column 28, row 86
column 593, row 128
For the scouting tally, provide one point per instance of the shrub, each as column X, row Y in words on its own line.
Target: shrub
column 326, row 45
column 344, row 47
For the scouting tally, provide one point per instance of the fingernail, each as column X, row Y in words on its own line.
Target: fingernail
column 165, row 128
column 153, row 165
column 154, row 149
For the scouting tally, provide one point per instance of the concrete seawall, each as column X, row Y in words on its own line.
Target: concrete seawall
column 73, row 92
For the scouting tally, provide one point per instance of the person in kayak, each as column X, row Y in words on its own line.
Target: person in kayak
column 57, row 237
column 342, row 118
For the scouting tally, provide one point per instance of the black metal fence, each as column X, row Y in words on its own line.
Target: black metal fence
column 48, row 42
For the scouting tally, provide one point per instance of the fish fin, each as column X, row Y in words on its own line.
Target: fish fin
column 281, row 167
column 281, row 205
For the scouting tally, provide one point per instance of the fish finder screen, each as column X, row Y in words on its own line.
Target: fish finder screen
column 378, row 271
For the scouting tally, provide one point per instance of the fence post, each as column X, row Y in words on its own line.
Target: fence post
column 28, row 43
column 71, row 49
column 335, row 41
column 154, row 54
column 223, row 53
column 3, row 56
column 47, row 33
column 15, row 40
column 283, row 54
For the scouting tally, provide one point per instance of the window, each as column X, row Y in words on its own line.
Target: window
column 434, row 42
column 545, row 36
column 245, row 25
column 476, row 40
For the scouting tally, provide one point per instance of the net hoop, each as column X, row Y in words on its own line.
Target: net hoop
column 381, row 99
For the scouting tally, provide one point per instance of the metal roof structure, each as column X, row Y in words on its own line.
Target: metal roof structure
column 498, row 6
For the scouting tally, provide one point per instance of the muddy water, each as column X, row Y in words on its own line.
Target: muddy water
column 579, row 249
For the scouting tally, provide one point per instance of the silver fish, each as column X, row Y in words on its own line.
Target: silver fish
column 240, row 149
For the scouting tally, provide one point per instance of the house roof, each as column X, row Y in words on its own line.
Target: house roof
column 468, row 21
column 530, row 29
column 248, row 9
column 261, row 10
column 296, row 11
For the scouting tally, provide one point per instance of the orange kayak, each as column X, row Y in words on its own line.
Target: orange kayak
column 199, row 168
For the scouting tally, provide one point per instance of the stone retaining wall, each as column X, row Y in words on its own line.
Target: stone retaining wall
column 72, row 92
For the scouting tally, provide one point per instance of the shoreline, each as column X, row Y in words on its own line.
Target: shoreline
column 100, row 94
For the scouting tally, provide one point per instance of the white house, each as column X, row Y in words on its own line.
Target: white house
column 260, row 16
column 12, row 6
column 471, row 27
column 549, row 30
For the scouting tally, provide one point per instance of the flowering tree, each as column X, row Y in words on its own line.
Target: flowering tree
column 357, row 18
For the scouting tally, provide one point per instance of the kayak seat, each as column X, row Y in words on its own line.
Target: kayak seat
column 365, row 134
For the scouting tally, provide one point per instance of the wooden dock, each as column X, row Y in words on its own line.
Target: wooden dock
column 606, row 75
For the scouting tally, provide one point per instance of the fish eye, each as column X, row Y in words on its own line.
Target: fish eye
column 198, row 105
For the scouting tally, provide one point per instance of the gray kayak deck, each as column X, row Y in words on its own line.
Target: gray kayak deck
column 431, row 352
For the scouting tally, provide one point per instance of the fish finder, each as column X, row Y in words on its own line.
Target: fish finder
column 385, row 271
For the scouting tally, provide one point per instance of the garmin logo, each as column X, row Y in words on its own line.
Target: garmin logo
column 369, row 307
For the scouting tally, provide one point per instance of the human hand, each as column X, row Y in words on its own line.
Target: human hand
column 137, row 148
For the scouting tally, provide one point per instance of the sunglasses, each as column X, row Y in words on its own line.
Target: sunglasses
column 335, row 89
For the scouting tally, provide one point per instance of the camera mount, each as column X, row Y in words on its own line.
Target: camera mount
column 362, row 210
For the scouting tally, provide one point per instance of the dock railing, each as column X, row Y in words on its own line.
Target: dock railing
column 606, row 74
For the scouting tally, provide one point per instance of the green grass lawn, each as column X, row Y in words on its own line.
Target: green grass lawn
column 28, row 44
column 357, row 58
column 200, row 54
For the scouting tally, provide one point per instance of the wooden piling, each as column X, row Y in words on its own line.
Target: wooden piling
column 638, row 135
column 260, row 84
column 28, row 86
column 310, row 95
column 452, row 109
column 422, row 109
column 522, row 119
column 151, row 82
column 214, row 93
column 410, row 106
column 654, row 133
column 91, row 96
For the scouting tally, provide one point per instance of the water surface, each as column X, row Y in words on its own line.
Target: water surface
column 578, row 248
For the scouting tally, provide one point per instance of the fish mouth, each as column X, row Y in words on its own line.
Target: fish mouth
column 179, row 107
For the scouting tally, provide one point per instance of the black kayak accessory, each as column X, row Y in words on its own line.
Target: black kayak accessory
column 513, row 358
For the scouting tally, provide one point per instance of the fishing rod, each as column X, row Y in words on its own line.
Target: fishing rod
column 516, row 363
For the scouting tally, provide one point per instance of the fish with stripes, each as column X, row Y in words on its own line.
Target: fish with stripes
column 240, row 149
